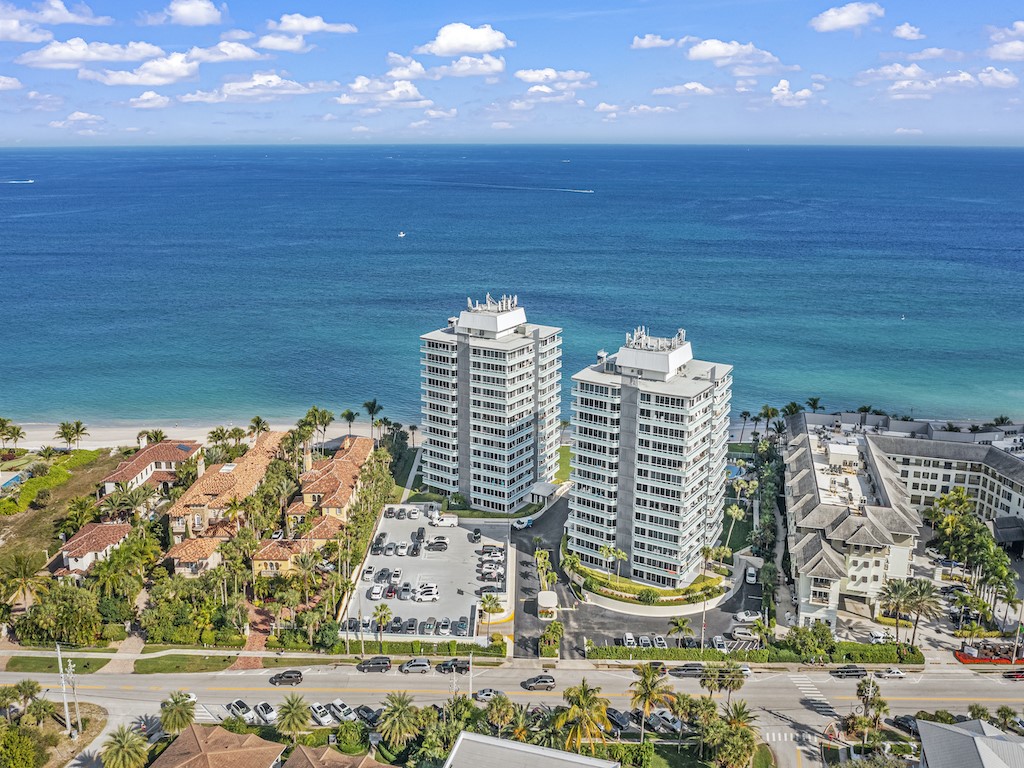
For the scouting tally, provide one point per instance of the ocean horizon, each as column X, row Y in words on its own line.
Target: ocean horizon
column 209, row 284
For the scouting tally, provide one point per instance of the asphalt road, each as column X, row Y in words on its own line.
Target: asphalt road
column 792, row 708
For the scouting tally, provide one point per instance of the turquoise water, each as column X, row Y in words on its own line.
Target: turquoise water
column 216, row 283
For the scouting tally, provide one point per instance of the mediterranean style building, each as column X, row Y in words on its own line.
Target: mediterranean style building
column 490, row 391
column 650, row 436
column 154, row 464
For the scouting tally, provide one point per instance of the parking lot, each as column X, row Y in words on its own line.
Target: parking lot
column 456, row 570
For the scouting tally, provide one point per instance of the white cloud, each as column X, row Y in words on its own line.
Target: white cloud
column 521, row 105
column 694, row 87
column 419, row 123
column 745, row 85
column 149, row 100
column 360, row 129
column 296, row 44
column 76, row 118
column 9, row 83
column 746, row 59
column 388, row 93
column 224, row 51
column 892, row 72
column 1014, row 32
column 935, row 53
column 188, row 13
column 652, row 41
column 441, row 114
column 471, row 66
column 605, row 107
column 1011, row 50
column 76, row 52
column 784, row 96
column 925, row 88
column 164, row 71
column 458, row 38
column 849, row 16
column 297, row 24
column 17, row 31
column 908, row 131
column 236, row 35
column 54, row 12
column 328, row 118
column 907, row 31
column 991, row 77
column 549, row 75
column 404, row 67
column 647, row 109
column 501, row 125
column 261, row 86
column 44, row 102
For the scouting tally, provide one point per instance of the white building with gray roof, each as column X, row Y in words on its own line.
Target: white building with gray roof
column 973, row 744
column 474, row 750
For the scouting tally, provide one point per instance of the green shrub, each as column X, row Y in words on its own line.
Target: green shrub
column 113, row 632
column 208, row 637
column 673, row 654
column 887, row 653
column 352, row 737
column 648, row 596
column 548, row 651
column 888, row 622
column 318, row 737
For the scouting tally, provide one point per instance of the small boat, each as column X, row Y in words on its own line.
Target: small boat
column 401, row 234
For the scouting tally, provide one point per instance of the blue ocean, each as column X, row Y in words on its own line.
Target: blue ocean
column 212, row 284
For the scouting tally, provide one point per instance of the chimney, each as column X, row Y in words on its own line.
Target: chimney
column 143, row 440
column 201, row 465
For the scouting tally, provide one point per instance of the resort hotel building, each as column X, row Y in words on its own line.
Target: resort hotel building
column 650, row 431
column 490, row 392
column 856, row 484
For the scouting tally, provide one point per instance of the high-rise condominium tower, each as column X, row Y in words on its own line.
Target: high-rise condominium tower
column 490, row 392
column 650, row 436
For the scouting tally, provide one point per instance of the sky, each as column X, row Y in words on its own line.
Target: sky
column 179, row 72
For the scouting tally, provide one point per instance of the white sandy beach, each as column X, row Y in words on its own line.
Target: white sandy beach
column 113, row 435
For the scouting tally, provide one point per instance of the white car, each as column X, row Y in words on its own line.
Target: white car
column 427, row 596
column 890, row 672
column 522, row 524
column 368, row 573
column 751, row 577
column 403, row 549
column 240, row 709
column 426, row 586
column 880, row 638
column 492, row 557
column 376, row 592
column 486, row 694
column 718, row 641
column 659, row 642
column 745, row 670
column 414, row 513
column 668, row 721
column 326, row 566
column 444, row 627
column 440, row 540
column 746, row 617
column 320, row 714
column 743, row 633
column 492, row 568
column 342, row 712
column 266, row 712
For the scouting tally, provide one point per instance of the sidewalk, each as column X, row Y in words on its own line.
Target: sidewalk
column 123, row 662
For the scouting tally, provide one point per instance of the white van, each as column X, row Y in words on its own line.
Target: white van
column 628, row 640
column 445, row 521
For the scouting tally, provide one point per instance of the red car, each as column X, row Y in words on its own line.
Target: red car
column 390, row 592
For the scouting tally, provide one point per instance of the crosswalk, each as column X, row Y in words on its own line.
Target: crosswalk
column 777, row 737
column 818, row 702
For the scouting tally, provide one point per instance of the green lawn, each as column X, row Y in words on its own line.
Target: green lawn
column 563, row 464
column 665, row 756
column 763, row 758
column 740, row 533
column 48, row 664
column 182, row 663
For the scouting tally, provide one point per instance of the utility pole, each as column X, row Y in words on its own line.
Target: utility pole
column 63, row 691
column 470, row 674
column 74, row 693
column 1016, row 636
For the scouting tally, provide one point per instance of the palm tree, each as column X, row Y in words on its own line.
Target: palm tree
column 735, row 513
column 730, row 678
column 381, row 615
column 305, row 565
column 257, row 426
column 814, row 403
column 791, row 408
column 1005, row 716
column 978, row 712
column 649, row 691
column 14, row 433
column 65, row 433
column 109, row 578
column 1002, row 420
column 499, row 712
column 39, row 710
column 586, row 716
column 293, row 716
column 925, row 601
column 372, row 408
column 895, row 598
column 348, row 416
column 681, row 706
column 78, row 431
column 177, row 712
column 745, row 415
column 81, row 510
column 768, row 413
column 680, row 627
column 490, row 604
column 413, row 429
column 22, row 577
column 217, row 435
column 399, row 723
column 738, row 715
column 125, row 748
column 26, row 690
column 755, row 420
column 237, row 435
column 7, row 698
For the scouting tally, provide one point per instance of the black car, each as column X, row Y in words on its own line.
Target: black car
column 368, row 714
column 377, row 550
column 389, row 512
column 410, row 626
column 396, row 624
column 693, row 669
column 374, row 664
column 454, row 665
column 488, row 589
column 353, row 624
column 951, row 588
column 382, row 539
column 906, row 723
column 437, row 546
column 540, row 682
column 383, row 576
column 288, row 677
column 850, row 670
column 420, row 535
column 474, row 537
column 619, row 719
column 414, row 550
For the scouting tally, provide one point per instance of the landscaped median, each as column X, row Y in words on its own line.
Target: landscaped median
column 842, row 653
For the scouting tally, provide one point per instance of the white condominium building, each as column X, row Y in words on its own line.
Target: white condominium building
column 650, row 432
column 491, row 405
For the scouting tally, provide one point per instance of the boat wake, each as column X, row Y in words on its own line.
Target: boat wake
column 21, row 181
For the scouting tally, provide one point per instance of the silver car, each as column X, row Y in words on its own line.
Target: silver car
column 266, row 712
column 320, row 714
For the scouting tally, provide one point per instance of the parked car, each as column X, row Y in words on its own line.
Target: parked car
column 429, row 596
column 669, row 722
column 540, row 683
column 414, row 513
column 375, row 664
column 395, row 625
column 880, row 638
column 368, row 573
column 402, row 548
column 436, row 546
column 440, row 540
column 890, row 672
column 906, row 723
column 645, row 642
column 288, row 677
column 628, row 640
column 390, row 591
column 410, row 626
column 462, row 626
column 325, row 566
column 719, row 644
column 949, row 589
column 240, row 709
column 850, row 670
column 389, row 512
column 390, row 549
column 376, row 592
column 377, row 549
column 487, row 694
column 493, row 557
column 401, row 515
column 659, row 642
column 454, row 665
column 947, row 563
column 746, row 617
column 751, row 575
column 486, row 548
column 405, row 592
column 658, row 667
column 277, row 535
column 474, row 537
column 368, row 714
column 1014, row 674
column 383, row 576
column 342, row 712
column 265, row 711
column 420, row 665
column 619, row 719
column 396, row 577
column 420, row 535
column 744, row 634
column 320, row 714
column 414, row 549
column 523, row 523
column 488, row 589
column 428, row 626
column 492, row 568
column 444, row 627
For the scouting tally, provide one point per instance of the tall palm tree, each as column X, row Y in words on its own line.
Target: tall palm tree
column 499, row 712
column 237, row 435
column 177, row 712
column 81, row 510
column 65, row 433
column 730, row 678
column 735, row 513
column 217, row 435
column 586, row 716
column 22, row 577
column 305, row 564
column 680, row 627
column 895, row 598
column 755, row 420
column 372, row 408
column 649, row 691
column 27, row 690
column 78, row 431
column 40, row 710
column 8, row 696
column 768, row 413
column 1005, row 716
column 399, row 723
column 814, row 403
column 745, row 415
column 490, row 605
column 293, row 716
column 348, row 416
column 681, row 706
column 14, row 433
column 257, row 426
column 738, row 715
column 413, row 429
column 125, row 748
column 381, row 615
column 925, row 602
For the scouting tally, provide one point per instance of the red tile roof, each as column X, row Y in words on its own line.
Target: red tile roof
column 96, row 537
column 335, row 479
column 214, row 747
column 193, row 550
column 325, row 528
column 165, row 450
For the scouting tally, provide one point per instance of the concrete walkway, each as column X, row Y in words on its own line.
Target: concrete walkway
column 412, row 476
column 123, row 662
